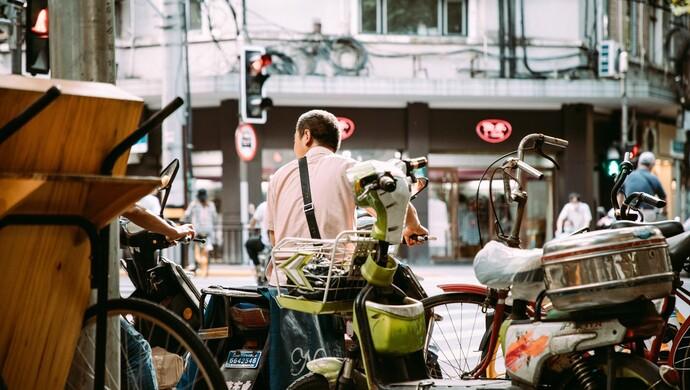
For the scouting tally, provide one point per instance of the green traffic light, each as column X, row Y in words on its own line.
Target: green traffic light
column 612, row 168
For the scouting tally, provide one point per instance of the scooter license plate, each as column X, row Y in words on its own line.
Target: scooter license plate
column 243, row 359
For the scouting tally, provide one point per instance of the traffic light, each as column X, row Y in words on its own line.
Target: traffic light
column 253, row 75
column 36, row 33
column 611, row 165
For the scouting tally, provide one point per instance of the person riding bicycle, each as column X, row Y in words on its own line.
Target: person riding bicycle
column 329, row 208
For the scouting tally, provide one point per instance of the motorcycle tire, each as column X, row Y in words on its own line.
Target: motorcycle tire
column 310, row 381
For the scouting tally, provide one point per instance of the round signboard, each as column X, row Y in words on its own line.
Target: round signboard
column 494, row 130
column 347, row 127
column 245, row 141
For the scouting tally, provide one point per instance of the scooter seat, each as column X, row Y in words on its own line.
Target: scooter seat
column 499, row 266
column 668, row 228
column 679, row 250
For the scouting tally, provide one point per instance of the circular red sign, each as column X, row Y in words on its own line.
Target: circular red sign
column 494, row 130
column 245, row 141
column 347, row 127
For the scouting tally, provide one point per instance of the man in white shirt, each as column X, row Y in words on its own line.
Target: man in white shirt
column 574, row 216
column 316, row 137
column 203, row 216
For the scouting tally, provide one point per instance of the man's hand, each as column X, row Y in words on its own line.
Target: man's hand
column 413, row 227
column 412, row 231
column 181, row 231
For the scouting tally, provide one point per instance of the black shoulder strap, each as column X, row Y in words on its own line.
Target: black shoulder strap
column 306, row 196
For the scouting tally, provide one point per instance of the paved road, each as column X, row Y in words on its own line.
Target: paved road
column 243, row 275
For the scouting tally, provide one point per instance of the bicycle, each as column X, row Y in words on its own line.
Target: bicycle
column 454, row 353
column 90, row 366
column 678, row 356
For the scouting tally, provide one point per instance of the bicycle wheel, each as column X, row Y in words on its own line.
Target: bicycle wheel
column 156, row 350
column 680, row 354
column 459, row 329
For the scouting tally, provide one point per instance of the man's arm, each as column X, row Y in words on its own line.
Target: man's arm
column 413, row 227
column 156, row 224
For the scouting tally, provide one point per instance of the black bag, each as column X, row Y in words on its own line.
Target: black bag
column 171, row 287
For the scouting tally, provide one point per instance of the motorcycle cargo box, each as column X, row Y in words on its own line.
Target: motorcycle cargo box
column 607, row 267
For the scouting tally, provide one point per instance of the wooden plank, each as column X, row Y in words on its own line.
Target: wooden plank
column 13, row 191
column 45, row 279
column 74, row 133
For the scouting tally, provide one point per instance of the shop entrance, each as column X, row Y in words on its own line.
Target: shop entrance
column 457, row 216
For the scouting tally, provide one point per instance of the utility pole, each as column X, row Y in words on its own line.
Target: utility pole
column 82, row 47
column 174, row 84
column 622, row 70
column 82, row 40
column 15, row 15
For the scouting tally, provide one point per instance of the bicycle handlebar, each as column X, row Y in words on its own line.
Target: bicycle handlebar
column 415, row 163
column 529, row 169
column 652, row 200
column 553, row 141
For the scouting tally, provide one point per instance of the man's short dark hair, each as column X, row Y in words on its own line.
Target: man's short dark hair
column 323, row 127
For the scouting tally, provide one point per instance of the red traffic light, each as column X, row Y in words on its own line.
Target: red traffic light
column 634, row 151
column 41, row 26
column 259, row 64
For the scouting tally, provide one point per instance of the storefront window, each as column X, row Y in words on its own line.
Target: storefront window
column 460, row 208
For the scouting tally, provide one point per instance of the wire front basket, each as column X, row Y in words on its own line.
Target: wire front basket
column 321, row 276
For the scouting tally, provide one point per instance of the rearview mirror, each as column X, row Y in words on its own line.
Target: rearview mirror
column 167, row 177
column 418, row 186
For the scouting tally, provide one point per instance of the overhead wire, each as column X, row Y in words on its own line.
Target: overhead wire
column 227, row 61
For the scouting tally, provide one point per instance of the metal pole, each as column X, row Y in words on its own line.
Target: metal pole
column 624, row 112
column 15, row 16
column 174, row 86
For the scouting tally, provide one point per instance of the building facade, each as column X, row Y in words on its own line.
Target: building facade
column 419, row 78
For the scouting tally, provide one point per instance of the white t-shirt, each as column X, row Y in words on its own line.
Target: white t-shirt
column 574, row 216
column 151, row 203
column 260, row 218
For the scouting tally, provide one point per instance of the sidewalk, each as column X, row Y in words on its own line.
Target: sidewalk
column 425, row 270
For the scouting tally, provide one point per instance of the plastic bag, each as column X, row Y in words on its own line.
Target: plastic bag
column 499, row 266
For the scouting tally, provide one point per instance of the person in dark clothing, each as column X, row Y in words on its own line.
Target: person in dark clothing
column 643, row 180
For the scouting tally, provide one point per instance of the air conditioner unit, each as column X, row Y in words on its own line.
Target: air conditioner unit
column 608, row 58
column 4, row 34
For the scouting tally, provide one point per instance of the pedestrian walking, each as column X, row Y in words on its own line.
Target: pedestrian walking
column 574, row 216
column 643, row 180
column 201, row 213
column 257, row 242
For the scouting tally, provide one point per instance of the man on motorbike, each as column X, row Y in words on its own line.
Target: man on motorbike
column 139, row 366
column 314, row 200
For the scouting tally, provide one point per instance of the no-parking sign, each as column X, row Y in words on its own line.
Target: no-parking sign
column 347, row 127
column 245, row 141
